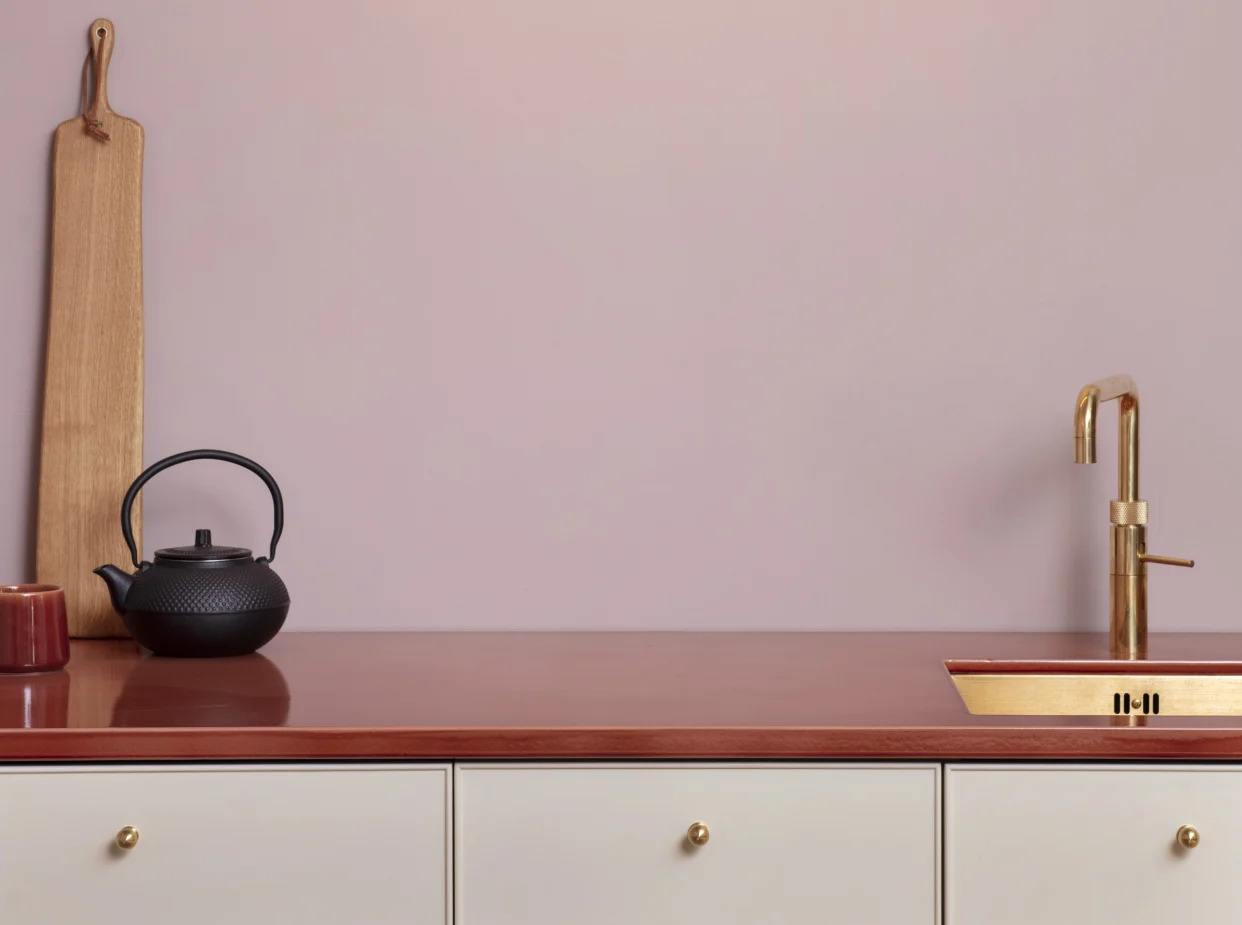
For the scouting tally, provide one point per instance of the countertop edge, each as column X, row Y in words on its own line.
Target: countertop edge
column 685, row 743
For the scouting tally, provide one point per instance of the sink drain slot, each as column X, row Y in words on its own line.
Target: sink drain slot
column 1123, row 703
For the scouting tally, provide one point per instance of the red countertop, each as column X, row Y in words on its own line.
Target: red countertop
column 577, row 695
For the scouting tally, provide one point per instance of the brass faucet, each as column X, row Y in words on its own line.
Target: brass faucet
column 1128, row 591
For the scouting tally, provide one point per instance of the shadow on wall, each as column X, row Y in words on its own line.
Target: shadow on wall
column 1049, row 480
column 1079, row 576
column 36, row 420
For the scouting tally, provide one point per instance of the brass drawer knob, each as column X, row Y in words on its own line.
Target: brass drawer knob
column 698, row 834
column 1188, row 836
column 127, row 838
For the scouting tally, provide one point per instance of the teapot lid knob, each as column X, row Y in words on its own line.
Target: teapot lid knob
column 201, row 551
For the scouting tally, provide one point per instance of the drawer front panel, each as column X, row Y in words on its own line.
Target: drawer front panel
column 238, row 844
column 562, row 845
column 1080, row 846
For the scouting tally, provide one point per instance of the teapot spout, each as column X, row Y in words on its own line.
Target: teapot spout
column 118, row 583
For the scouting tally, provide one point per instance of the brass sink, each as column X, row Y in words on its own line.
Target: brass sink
column 1103, row 687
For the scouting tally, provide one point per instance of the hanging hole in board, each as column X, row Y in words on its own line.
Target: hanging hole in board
column 101, row 32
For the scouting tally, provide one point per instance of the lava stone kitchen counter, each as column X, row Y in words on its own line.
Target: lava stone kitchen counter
column 576, row 695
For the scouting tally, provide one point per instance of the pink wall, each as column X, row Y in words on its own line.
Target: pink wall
column 666, row 313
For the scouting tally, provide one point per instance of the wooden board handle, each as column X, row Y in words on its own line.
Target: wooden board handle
column 102, row 40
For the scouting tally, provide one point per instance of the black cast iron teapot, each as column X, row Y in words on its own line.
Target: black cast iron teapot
column 201, row 600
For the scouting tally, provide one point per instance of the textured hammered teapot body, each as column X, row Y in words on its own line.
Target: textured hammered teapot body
column 239, row 585
column 201, row 600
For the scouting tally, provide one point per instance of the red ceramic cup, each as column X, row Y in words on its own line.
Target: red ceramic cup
column 34, row 633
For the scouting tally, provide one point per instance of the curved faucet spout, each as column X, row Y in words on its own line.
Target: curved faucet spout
column 1085, row 414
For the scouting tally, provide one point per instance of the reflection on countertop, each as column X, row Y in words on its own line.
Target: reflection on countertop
column 114, row 684
column 249, row 691
column 37, row 700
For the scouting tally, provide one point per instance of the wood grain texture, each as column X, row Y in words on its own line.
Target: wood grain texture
column 580, row 695
column 92, row 399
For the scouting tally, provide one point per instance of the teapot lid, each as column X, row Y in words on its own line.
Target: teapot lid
column 202, row 550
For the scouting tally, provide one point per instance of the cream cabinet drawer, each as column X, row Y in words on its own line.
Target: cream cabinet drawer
column 1090, row 845
column 564, row 845
column 338, row 844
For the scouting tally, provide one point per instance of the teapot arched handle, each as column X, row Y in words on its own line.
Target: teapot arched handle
column 278, row 503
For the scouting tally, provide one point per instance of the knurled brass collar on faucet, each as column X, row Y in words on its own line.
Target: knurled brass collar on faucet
column 1128, row 513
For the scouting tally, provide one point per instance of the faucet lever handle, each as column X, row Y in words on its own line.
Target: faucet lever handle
column 1166, row 560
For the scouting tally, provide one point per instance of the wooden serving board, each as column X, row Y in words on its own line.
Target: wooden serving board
column 92, row 399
